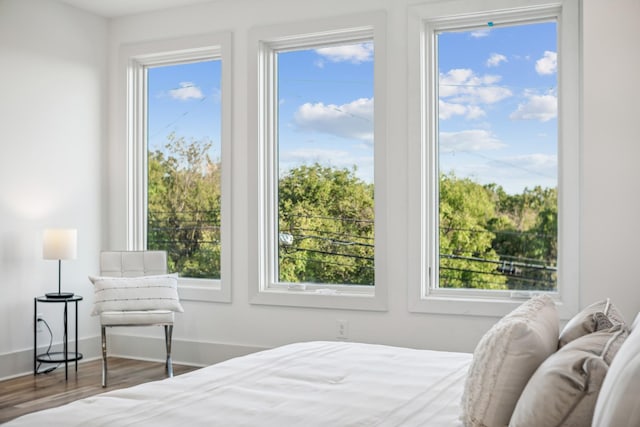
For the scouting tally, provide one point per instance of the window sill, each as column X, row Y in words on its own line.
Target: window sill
column 356, row 298
column 465, row 303
column 208, row 290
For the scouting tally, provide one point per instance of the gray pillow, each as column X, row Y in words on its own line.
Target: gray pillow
column 564, row 389
column 598, row 316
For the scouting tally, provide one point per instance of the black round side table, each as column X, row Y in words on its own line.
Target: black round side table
column 65, row 356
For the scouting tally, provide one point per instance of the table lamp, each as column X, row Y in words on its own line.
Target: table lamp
column 59, row 244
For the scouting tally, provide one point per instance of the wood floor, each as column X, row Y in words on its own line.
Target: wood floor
column 29, row 393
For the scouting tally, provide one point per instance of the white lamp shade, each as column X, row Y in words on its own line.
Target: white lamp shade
column 60, row 244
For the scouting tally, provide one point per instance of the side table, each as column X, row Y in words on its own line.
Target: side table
column 65, row 356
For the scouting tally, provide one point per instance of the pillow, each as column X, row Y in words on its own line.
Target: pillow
column 564, row 389
column 136, row 293
column 504, row 360
column 617, row 404
column 589, row 320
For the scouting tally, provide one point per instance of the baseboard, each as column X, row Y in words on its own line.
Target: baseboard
column 194, row 353
column 20, row 362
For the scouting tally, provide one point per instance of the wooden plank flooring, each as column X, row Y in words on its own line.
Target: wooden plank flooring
column 29, row 393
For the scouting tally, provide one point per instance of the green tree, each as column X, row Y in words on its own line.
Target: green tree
column 488, row 239
column 326, row 224
column 467, row 258
column 184, row 206
column 526, row 230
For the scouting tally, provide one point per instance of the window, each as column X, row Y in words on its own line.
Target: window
column 325, row 189
column 178, row 140
column 498, row 132
column 320, row 136
column 496, row 148
column 184, row 166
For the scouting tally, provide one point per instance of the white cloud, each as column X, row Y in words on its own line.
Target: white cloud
column 480, row 33
column 354, row 53
column 462, row 93
column 469, row 140
column 548, row 64
column 526, row 170
column 340, row 159
column 461, row 85
column 353, row 120
column 537, row 107
column 495, row 59
column 186, row 91
column 314, row 155
column 446, row 110
column 542, row 164
column 513, row 173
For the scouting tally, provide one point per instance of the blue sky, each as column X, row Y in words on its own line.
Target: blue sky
column 498, row 105
column 185, row 99
column 497, row 108
column 326, row 108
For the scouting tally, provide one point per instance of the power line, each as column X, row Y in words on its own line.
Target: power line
column 490, row 261
column 333, row 241
column 339, row 264
column 370, row 221
column 341, row 235
column 293, row 248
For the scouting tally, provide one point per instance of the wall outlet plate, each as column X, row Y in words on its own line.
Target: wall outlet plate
column 39, row 320
column 342, row 329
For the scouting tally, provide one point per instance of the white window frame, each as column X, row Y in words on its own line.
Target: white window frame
column 424, row 21
column 134, row 59
column 264, row 43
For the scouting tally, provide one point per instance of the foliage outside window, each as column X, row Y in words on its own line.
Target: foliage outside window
column 326, row 227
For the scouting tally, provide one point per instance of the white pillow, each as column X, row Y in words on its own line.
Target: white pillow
column 617, row 404
column 504, row 360
column 136, row 293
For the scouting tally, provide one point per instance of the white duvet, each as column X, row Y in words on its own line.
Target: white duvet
column 303, row 384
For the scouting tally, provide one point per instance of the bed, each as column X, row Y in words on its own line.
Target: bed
column 310, row 384
column 592, row 379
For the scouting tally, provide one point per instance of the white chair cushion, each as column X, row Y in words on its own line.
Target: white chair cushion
column 136, row 293
column 145, row 317
column 133, row 263
column 617, row 404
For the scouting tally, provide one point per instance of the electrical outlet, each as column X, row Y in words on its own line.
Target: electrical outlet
column 39, row 320
column 342, row 331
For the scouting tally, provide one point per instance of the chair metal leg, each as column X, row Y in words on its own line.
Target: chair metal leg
column 104, row 356
column 168, row 331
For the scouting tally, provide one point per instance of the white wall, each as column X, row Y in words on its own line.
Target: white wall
column 53, row 97
column 611, row 152
column 52, row 110
column 609, row 203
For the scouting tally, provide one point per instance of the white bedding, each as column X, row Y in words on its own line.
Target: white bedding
column 303, row 384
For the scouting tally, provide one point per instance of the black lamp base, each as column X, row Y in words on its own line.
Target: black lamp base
column 59, row 295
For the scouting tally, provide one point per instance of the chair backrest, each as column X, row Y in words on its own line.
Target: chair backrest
column 132, row 263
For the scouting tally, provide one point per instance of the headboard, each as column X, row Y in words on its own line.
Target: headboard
column 132, row 263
